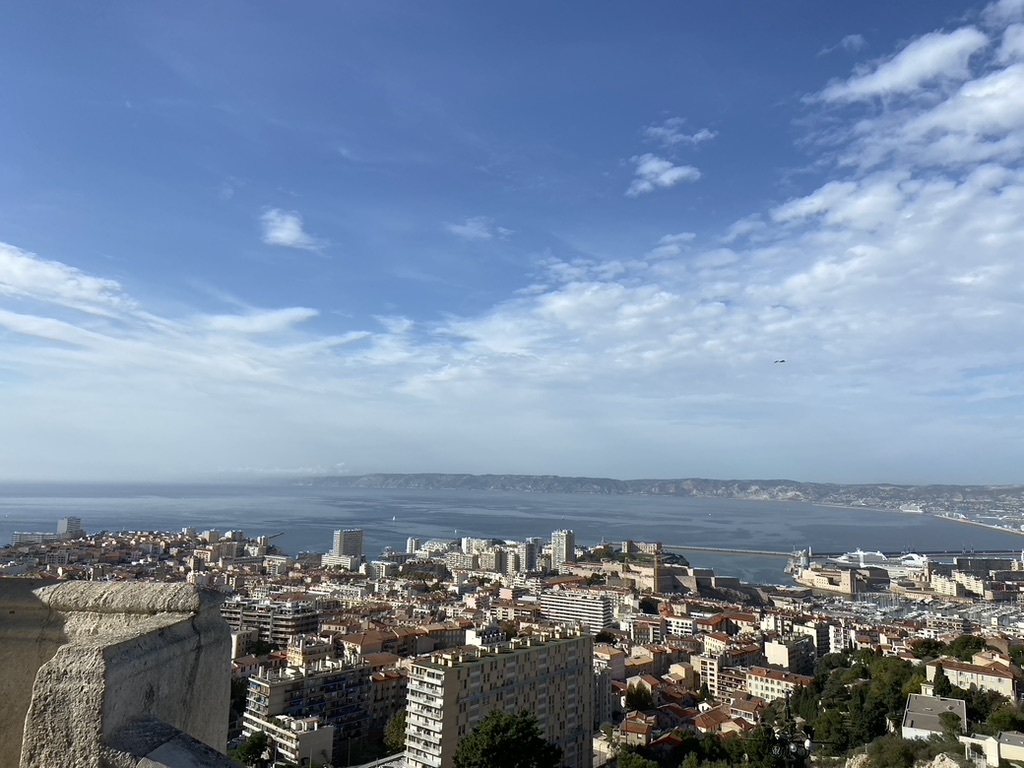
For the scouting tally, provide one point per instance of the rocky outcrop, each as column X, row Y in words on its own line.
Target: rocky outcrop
column 112, row 675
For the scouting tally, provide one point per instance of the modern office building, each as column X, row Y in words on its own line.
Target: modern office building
column 563, row 548
column 550, row 676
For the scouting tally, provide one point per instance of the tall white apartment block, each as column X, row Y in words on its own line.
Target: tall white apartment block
column 549, row 676
column 563, row 548
column 578, row 607
column 348, row 542
column 69, row 527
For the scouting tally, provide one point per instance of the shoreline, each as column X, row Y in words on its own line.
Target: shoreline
column 934, row 515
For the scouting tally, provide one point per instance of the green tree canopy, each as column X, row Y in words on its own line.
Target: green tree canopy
column 252, row 749
column 503, row 740
column 927, row 648
column 635, row 760
column 952, row 725
column 639, row 698
column 965, row 646
column 604, row 636
column 941, row 685
column 394, row 732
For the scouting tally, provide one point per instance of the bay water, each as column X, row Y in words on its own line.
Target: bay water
column 306, row 517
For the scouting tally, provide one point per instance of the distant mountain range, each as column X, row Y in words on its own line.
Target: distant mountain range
column 938, row 497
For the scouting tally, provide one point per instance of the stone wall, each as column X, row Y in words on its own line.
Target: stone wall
column 103, row 675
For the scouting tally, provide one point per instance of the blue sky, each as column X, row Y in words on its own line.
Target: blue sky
column 568, row 238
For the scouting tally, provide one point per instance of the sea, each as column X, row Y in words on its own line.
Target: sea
column 303, row 518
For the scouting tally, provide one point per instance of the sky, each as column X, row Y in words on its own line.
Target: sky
column 257, row 239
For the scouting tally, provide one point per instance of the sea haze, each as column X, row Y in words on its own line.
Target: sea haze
column 307, row 516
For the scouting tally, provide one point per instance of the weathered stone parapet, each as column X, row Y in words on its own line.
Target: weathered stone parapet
column 112, row 675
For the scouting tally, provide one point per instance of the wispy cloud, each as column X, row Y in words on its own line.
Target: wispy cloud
column 1003, row 12
column 850, row 44
column 26, row 275
column 670, row 133
column 285, row 228
column 935, row 56
column 272, row 321
column 653, row 172
column 478, row 228
column 891, row 284
column 671, row 245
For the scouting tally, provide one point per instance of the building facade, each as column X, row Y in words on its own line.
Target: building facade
column 549, row 676
column 563, row 548
column 348, row 542
column 334, row 691
column 276, row 622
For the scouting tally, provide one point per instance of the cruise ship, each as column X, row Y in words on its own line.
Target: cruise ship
column 897, row 567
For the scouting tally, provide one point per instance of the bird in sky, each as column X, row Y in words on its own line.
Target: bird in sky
column 780, row 361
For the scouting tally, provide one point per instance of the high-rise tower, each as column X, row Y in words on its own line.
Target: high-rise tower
column 348, row 542
column 563, row 548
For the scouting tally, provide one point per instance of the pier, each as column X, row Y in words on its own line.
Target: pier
column 727, row 550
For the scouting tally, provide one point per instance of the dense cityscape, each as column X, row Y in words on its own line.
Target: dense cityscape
column 622, row 653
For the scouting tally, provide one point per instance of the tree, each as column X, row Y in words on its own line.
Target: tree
column 635, row 760
column 394, row 733
column 639, row 698
column 940, row 684
column 604, row 636
column 503, row 740
column 831, row 732
column 252, row 749
column 952, row 725
column 965, row 646
column 927, row 648
column 1006, row 718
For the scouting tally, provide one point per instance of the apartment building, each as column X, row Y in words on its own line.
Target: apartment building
column 577, row 607
column 550, row 676
column 997, row 677
column 563, row 548
column 771, row 684
column 276, row 621
column 795, row 653
column 335, row 691
column 302, row 740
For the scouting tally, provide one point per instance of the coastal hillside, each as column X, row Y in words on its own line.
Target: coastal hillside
column 937, row 497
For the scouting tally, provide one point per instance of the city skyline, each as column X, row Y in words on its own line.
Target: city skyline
column 251, row 241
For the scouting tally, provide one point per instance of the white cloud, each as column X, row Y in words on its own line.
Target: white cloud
column 1012, row 47
column 653, row 172
column 478, row 228
column 671, row 245
column 670, row 133
column 273, row 321
column 285, row 228
column 935, row 56
column 748, row 226
column 892, row 286
column 1003, row 12
column 850, row 44
column 25, row 274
